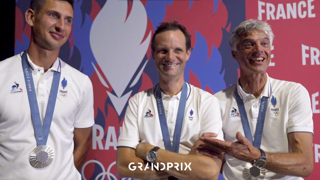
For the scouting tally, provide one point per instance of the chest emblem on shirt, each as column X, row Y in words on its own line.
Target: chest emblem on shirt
column 191, row 115
column 148, row 113
column 63, row 91
column 234, row 112
column 274, row 109
column 15, row 88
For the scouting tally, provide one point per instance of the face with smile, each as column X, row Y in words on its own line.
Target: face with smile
column 51, row 26
column 170, row 54
column 254, row 52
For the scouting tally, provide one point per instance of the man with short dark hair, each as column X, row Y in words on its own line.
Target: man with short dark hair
column 162, row 125
column 46, row 107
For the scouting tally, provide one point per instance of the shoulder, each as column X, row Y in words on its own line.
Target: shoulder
column 198, row 92
column 286, row 87
column 75, row 76
column 226, row 93
column 11, row 68
column 66, row 68
column 76, row 79
column 143, row 95
column 201, row 97
column 10, row 62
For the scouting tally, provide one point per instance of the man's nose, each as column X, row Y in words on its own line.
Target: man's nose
column 258, row 49
column 60, row 25
column 170, row 55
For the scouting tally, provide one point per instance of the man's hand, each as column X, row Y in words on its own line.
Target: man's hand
column 200, row 143
column 203, row 148
column 241, row 149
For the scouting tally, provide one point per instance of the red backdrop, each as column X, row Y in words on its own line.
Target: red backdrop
column 296, row 57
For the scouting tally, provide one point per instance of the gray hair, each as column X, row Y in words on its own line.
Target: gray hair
column 249, row 26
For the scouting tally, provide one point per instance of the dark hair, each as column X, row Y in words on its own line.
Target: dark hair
column 166, row 26
column 36, row 5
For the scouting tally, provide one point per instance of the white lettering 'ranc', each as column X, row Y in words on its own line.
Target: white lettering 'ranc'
column 316, row 152
column 310, row 53
column 315, row 102
column 272, row 56
column 293, row 10
column 98, row 135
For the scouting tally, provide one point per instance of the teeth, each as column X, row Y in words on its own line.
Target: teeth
column 170, row 65
column 258, row 59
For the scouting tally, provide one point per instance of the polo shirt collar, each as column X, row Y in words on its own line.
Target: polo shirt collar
column 54, row 67
column 177, row 96
column 265, row 92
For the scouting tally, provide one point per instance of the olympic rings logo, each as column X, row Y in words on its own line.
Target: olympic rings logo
column 104, row 173
column 63, row 94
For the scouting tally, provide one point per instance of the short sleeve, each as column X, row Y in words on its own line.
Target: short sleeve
column 129, row 134
column 300, row 113
column 211, row 117
column 85, row 114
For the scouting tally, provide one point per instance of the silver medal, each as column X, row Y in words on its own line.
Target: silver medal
column 41, row 156
column 246, row 171
column 253, row 171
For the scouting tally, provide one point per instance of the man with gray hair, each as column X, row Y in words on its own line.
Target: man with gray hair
column 267, row 123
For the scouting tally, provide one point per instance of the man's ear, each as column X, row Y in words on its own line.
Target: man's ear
column 152, row 53
column 30, row 16
column 188, row 53
column 234, row 54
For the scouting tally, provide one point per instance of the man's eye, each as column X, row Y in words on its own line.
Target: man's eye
column 68, row 21
column 248, row 44
column 178, row 50
column 162, row 51
column 265, row 44
column 53, row 15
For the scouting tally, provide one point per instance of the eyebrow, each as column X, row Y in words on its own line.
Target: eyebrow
column 56, row 12
column 249, row 39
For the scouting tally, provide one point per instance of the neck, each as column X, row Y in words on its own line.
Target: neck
column 42, row 57
column 171, row 87
column 253, row 83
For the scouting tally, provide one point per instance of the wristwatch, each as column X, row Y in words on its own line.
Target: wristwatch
column 262, row 161
column 152, row 154
column 258, row 165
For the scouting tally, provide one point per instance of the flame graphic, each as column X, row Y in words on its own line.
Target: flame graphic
column 118, row 47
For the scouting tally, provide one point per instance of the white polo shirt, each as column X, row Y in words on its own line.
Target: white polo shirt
column 142, row 124
column 74, row 109
column 288, row 111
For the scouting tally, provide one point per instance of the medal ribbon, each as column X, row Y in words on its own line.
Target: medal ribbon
column 41, row 132
column 244, row 119
column 163, row 120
